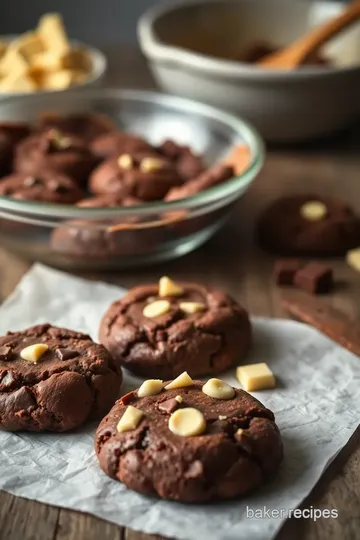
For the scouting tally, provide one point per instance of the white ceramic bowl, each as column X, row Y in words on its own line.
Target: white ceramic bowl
column 99, row 67
column 283, row 106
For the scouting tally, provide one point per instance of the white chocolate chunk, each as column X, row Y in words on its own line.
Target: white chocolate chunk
column 125, row 161
column 130, row 419
column 168, row 287
column 157, row 308
column 150, row 164
column 53, row 34
column 239, row 432
column 313, row 210
column 353, row 259
column 216, row 388
column 33, row 353
column 255, row 377
column 179, row 399
column 180, row 382
column 191, row 307
column 187, row 422
column 222, row 417
column 151, row 387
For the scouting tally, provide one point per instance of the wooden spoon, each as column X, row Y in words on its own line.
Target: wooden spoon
column 298, row 52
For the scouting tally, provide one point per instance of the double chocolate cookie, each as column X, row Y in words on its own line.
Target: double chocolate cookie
column 46, row 186
column 112, row 145
column 65, row 153
column 145, row 176
column 53, row 379
column 86, row 125
column 189, row 441
column 309, row 225
column 162, row 330
column 188, row 164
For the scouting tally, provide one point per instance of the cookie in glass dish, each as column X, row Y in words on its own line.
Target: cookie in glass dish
column 53, row 149
column 46, row 186
column 101, row 239
column 112, row 145
column 86, row 125
column 145, row 176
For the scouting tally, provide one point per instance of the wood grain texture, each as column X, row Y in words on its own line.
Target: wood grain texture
column 245, row 272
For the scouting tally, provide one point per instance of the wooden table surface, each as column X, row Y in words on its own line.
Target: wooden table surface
column 331, row 167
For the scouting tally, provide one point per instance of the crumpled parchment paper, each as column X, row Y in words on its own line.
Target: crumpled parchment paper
column 316, row 403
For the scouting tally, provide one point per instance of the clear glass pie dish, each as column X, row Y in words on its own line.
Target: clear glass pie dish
column 71, row 237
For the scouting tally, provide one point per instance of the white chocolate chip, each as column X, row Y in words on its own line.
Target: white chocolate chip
column 191, row 307
column 313, row 210
column 353, row 259
column 130, row 419
column 216, row 388
column 187, row 422
column 33, row 353
column 150, row 164
column 157, row 308
column 179, row 399
column 151, row 387
column 239, row 432
column 221, row 417
column 168, row 287
column 125, row 161
column 255, row 377
column 182, row 380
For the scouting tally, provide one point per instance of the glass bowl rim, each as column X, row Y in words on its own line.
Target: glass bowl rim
column 229, row 188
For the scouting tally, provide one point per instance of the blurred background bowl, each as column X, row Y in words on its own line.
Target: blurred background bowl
column 187, row 44
column 98, row 62
column 83, row 238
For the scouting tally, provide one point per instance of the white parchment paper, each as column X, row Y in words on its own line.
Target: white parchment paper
column 317, row 407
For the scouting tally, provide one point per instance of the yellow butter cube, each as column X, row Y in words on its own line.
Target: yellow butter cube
column 255, row 377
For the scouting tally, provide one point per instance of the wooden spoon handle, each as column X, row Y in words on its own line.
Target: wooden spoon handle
column 322, row 34
column 301, row 49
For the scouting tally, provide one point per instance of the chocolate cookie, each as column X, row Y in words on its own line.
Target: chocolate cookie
column 46, row 186
column 102, row 239
column 144, row 176
column 53, row 379
column 309, row 225
column 86, row 125
column 189, row 441
column 55, row 150
column 115, row 144
column 162, row 330
column 188, row 164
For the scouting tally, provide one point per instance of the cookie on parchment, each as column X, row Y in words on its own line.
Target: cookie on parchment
column 53, row 379
column 163, row 329
column 189, row 441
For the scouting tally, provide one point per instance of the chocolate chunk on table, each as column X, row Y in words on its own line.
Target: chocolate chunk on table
column 315, row 278
column 328, row 320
